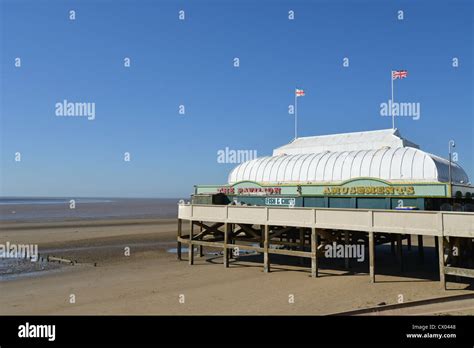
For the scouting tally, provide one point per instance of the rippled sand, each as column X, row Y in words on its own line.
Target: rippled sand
column 151, row 281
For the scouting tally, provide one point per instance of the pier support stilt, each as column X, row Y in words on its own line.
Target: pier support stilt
column 232, row 241
column 442, row 276
column 346, row 242
column 421, row 252
column 436, row 246
column 372, row 257
column 266, row 259
column 314, row 255
column 226, row 241
column 302, row 230
column 190, row 245
column 409, row 242
column 400, row 251
column 200, row 247
column 178, row 247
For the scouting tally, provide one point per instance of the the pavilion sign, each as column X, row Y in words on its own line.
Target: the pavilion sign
column 250, row 190
column 370, row 190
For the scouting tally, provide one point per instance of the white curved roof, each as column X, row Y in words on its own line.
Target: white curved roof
column 368, row 140
column 391, row 164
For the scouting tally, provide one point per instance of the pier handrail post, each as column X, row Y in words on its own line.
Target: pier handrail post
column 371, row 220
column 440, row 223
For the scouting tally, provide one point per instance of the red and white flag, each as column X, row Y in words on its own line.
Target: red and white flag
column 399, row 74
column 299, row 92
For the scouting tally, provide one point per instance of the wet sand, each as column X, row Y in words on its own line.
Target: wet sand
column 152, row 281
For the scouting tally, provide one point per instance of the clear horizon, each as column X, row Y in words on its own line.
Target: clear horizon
column 82, row 197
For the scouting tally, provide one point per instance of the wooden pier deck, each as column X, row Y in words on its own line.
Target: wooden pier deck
column 302, row 232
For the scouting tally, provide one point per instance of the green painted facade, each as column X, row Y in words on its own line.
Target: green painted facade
column 364, row 193
column 348, row 188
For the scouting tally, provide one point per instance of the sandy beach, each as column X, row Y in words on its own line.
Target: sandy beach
column 152, row 281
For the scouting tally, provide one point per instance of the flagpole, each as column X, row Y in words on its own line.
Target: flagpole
column 296, row 115
column 391, row 107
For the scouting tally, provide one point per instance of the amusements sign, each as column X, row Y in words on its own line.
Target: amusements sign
column 370, row 190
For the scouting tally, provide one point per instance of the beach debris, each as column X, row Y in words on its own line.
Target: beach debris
column 59, row 259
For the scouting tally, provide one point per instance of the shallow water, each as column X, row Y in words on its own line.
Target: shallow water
column 59, row 209
column 16, row 268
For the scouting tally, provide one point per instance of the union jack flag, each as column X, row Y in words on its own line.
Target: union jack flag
column 399, row 74
column 299, row 92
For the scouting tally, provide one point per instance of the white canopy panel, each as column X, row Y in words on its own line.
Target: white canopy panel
column 369, row 140
column 391, row 164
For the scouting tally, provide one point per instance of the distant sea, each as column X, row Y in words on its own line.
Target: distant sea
column 59, row 209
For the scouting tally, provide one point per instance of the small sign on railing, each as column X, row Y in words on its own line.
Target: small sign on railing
column 290, row 202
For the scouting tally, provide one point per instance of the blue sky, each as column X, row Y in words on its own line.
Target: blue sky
column 190, row 62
